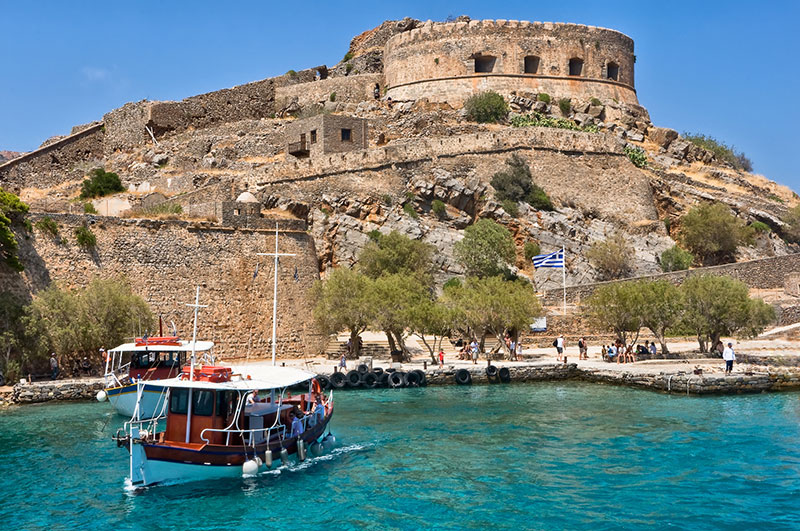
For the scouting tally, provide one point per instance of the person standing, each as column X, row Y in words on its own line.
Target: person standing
column 519, row 350
column 729, row 356
column 559, row 347
column 441, row 359
column 343, row 362
column 53, row 366
column 583, row 349
column 473, row 347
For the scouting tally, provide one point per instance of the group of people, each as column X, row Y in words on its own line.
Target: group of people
column 583, row 348
column 315, row 414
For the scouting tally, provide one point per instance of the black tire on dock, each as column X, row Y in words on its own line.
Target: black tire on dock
column 353, row 378
column 390, row 371
column 504, row 374
column 463, row 377
column 412, row 379
column 423, row 380
column 338, row 380
column 363, row 368
column 383, row 379
column 369, row 380
column 397, row 379
column 378, row 371
column 324, row 383
column 491, row 372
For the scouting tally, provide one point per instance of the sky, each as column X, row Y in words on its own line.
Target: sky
column 721, row 68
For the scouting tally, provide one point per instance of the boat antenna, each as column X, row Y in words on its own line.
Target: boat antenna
column 196, row 307
column 276, row 254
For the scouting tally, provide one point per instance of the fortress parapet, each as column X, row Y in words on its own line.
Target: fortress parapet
column 451, row 61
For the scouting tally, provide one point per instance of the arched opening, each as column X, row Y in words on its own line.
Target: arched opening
column 612, row 71
column 484, row 63
column 531, row 64
column 575, row 66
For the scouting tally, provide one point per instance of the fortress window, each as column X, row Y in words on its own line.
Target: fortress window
column 575, row 66
column 612, row 71
column 313, row 136
column 346, row 135
column 484, row 63
column 531, row 64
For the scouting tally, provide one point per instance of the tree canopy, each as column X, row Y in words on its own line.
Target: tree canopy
column 662, row 306
column 712, row 233
column 344, row 302
column 12, row 210
column 396, row 253
column 612, row 257
column 617, row 307
column 486, row 249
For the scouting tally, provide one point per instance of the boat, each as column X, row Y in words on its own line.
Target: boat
column 146, row 359
column 215, row 423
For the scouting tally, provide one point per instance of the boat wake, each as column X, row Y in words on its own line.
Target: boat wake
column 311, row 461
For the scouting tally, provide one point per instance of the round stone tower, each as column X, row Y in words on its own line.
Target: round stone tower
column 448, row 62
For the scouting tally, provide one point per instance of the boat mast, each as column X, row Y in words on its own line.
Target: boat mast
column 276, row 254
column 196, row 307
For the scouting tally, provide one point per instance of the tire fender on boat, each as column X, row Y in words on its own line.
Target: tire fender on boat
column 268, row 458
column 250, row 467
column 284, row 456
column 463, row 377
column 301, row 450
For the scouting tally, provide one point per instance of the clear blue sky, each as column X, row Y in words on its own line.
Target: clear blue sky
column 724, row 68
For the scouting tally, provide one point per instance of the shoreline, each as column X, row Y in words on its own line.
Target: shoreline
column 657, row 375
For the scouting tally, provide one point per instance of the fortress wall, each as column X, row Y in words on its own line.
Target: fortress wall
column 410, row 150
column 165, row 261
column 350, row 89
column 447, row 50
column 766, row 273
column 45, row 167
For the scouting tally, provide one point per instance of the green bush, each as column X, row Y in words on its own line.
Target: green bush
column 596, row 102
column 332, row 96
column 536, row 119
column 387, row 199
column 511, row 207
column 88, row 208
column 565, row 105
column 637, row 156
column 348, row 68
column 451, row 283
column 438, row 208
column 291, row 73
column 374, row 235
column 85, row 237
column 612, row 257
column 408, row 208
column 486, row 107
column 543, row 96
column 347, row 56
column 721, row 151
column 531, row 249
column 675, row 259
column 761, row 227
column 12, row 210
column 712, row 233
column 48, row 226
column 516, row 184
column 101, row 183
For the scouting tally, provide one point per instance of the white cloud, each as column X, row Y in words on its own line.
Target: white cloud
column 94, row 75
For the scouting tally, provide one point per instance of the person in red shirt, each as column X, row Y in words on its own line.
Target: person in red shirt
column 441, row 359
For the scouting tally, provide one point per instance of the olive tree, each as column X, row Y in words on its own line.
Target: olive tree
column 712, row 233
column 392, row 298
column 432, row 318
column 343, row 301
column 486, row 249
column 718, row 306
column 662, row 306
column 617, row 307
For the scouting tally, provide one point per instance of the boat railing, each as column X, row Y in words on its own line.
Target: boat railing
column 112, row 376
column 280, row 430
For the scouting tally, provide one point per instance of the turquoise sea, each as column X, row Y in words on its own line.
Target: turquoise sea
column 542, row 456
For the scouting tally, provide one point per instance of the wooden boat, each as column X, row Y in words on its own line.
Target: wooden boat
column 146, row 359
column 215, row 423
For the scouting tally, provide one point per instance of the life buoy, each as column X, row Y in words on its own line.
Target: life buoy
column 316, row 388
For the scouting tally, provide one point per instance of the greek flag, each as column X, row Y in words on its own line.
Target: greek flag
column 554, row 259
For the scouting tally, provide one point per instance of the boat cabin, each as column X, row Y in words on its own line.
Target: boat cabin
column 153, row 358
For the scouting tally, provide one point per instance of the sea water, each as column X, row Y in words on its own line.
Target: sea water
column 538, row 456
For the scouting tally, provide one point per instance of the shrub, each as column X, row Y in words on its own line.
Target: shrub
column 612, row 257
column 596, row 102
column 387, row 199
column 721, row 151
column 565, row 106
column 451, row 283
column 675, row 259
column 486, row 249
column 436, row 60
column 28, row 225
column 12, row 210
column 712, row 233
column 536, row 119
column 88, row 208
column 332, row 96
column 85, row 237
column 348, row 68
column 761, row 227
column 438, row 208
column 347, row 56
column 516, row 184
column 637, row 156
column 408, row 208
column 511, row 207
column 374, row 235
column 486, row 107
column 791, row 230
column 543, row 96
column 161, row 210
column 101, row 183
column 291, row 73
column 48, row 226
column 531, row 249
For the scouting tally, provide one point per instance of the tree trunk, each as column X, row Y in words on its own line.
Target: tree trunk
column 482, row 342
column 714, row 340
column 431, row 348
column 355, row 344
column 702, row 341
column 402, row 345
column 503, row 346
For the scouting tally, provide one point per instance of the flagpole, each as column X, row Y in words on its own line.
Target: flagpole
column 564, row 278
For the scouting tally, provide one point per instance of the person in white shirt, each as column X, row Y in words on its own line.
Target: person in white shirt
column 729, row 356
column 560, row 347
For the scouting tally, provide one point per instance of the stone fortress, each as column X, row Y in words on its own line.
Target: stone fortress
column 451, row 61
column 330, row 154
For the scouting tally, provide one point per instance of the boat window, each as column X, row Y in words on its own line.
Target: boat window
column 203, row 403
column 224, row 402
column 179, row 401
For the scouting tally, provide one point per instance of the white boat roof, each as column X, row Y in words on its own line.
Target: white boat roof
column 261, row 378
column 185, row 346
